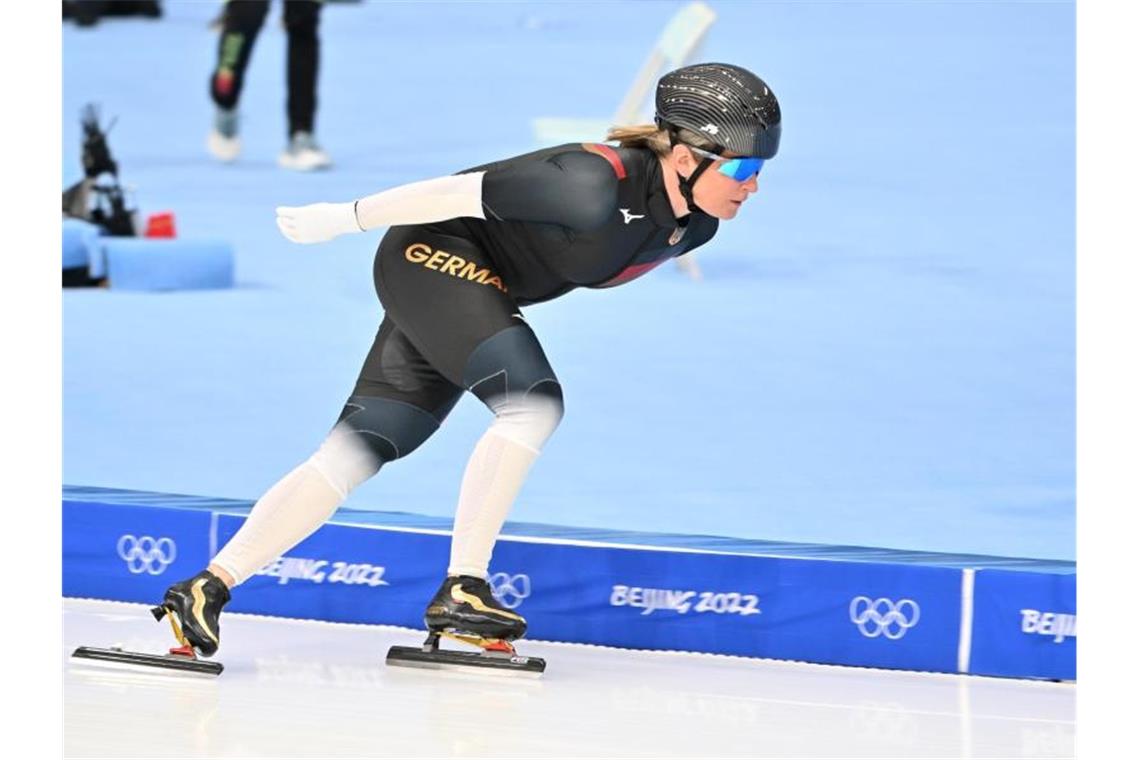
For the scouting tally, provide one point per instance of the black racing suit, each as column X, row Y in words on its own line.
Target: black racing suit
column 580, row 215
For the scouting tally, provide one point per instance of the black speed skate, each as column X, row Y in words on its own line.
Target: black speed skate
column 465, row 605
column 464, row 609
column 192, row 607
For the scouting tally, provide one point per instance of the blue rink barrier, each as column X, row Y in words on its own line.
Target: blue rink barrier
column 158, row 264
column 82, row 246
column 823, row 604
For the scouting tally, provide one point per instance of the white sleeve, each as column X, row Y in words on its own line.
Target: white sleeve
column 432, row 200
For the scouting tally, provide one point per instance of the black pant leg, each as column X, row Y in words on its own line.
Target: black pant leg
column 87, row 12
column 243, row 21
column 302, row 18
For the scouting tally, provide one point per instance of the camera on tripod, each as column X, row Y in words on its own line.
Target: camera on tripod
column 99, row 198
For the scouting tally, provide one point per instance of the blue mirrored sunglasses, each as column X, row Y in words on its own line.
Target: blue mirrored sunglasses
column 740, row 169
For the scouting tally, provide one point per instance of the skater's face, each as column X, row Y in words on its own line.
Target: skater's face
column 723, row 187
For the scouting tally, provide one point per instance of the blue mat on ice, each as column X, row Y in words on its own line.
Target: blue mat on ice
column 882, row 352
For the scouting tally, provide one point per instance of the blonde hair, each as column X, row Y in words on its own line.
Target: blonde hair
column 655, row 139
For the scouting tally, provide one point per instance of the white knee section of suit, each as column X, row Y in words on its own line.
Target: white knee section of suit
column 344, row 460
column 298, row 504
column 528, row 421
column 495, row 472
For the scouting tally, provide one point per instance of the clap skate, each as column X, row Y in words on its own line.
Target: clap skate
column 464, row 609
column 192, row 607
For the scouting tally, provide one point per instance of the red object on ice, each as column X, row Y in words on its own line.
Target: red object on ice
column 160, row 225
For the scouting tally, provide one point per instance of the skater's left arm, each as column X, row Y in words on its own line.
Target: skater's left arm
column 432, row 200
column 576, row 190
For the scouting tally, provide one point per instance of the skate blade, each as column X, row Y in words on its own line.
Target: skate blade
column 488, row 662
column 489, row 646
column 131, row 660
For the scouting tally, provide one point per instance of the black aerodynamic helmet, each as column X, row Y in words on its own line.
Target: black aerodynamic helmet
column 730, row 105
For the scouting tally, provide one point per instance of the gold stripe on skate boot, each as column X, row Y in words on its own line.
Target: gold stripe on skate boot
column 200, row 605
column 459, row 595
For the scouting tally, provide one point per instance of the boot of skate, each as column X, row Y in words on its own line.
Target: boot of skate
column 193, row 607
column 464, row 605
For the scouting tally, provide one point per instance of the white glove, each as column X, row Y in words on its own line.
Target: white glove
column 317, row 222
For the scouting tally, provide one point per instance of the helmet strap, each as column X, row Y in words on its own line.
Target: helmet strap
column 687, row 184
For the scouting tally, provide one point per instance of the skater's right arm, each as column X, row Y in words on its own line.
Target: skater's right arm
column 574, row 189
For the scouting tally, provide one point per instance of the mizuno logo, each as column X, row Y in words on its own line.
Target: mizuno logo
column 630, row 217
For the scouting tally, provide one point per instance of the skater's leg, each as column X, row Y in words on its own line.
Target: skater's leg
column 510, row 373
column 471, row 331
column 398, row 402
column 372, row 431
column 291, row 509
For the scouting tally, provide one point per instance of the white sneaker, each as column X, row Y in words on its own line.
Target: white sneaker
column 303, row 154
column 223, row 142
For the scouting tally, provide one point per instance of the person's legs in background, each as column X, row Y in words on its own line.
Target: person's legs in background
column 302, row 19
column 243, row 21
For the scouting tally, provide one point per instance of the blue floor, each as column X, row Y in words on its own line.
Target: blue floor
column 882, row 351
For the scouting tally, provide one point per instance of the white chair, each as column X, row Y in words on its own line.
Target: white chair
column 677, row 46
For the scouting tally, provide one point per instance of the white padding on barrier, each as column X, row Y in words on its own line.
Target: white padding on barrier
column 157, row 264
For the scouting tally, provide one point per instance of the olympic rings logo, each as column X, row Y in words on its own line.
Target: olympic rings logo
column 884, row 617
column 509, row 589
column 144, row 554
